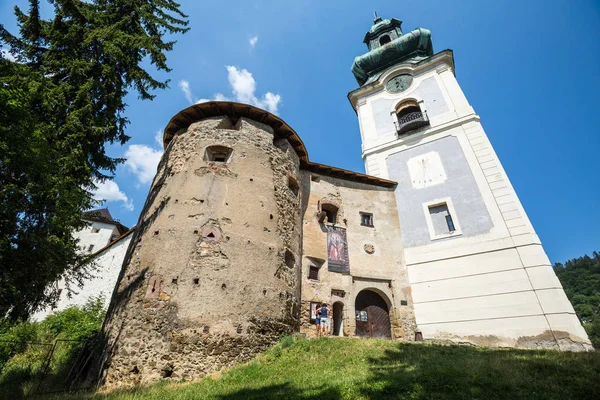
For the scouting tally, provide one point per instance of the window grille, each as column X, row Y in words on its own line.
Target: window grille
column 313, row 273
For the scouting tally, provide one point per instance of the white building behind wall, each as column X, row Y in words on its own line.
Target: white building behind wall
column 477, row 268
column 107, row 240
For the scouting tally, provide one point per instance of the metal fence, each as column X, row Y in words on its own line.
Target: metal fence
column 35, row 368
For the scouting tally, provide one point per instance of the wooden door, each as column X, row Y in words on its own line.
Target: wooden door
column 372, row 316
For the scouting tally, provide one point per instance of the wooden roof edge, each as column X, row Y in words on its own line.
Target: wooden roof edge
column 186, row 117
column 117, row 240
column 341, row 173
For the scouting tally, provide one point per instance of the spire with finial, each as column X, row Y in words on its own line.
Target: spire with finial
column 376, row 18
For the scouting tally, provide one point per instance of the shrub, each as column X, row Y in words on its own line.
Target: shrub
column 24, row 346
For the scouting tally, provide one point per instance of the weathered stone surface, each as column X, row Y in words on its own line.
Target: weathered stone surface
column 206, row 284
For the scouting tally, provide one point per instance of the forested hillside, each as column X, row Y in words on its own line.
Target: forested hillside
column 580, row 278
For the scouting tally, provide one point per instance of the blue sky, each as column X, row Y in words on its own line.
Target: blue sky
column 530, row 69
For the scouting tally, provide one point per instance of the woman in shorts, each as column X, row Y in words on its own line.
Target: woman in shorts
column 318, row 319
column 324, row 314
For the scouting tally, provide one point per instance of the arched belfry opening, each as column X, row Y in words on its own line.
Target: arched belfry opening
column 385, row 39
column 409, row 117
column 372, row 315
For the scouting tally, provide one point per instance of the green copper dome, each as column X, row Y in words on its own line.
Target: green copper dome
column 377, row 25
column 388, row 46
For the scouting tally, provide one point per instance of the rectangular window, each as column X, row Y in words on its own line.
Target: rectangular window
column 366, row 219
column 442, row 220
column 91, row 248
column 314, row 267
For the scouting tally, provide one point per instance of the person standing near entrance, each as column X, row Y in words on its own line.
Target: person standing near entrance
column 318, row 320
column 324, row 315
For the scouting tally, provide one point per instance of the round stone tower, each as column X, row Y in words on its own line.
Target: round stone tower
column 212, row 276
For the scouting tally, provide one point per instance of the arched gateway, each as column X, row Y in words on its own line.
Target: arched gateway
column 372, row 315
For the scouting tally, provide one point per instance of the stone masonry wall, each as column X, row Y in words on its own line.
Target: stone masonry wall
column 213, row 273
column 375, row 252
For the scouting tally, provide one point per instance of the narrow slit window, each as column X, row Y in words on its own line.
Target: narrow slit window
column 91, row 248
column 293, row 185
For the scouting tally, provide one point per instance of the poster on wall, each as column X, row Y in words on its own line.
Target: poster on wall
column 337, row 250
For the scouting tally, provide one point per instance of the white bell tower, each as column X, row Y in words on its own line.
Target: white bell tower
column 477, row 269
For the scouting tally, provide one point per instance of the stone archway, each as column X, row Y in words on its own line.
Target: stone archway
column 372, row 315
column 338, row 318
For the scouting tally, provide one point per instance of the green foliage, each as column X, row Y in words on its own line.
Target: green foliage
column 61, row 103
column 76, row 323
column 580, row 278
column 25, row 346
column 352, row 368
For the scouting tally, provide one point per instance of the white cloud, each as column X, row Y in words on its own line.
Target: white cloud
column 243, row 87
column 9, row 56
column 271, row 101
column 185, row 88
column 109, row 191
column 242, row 83
column 221, row 97
column 158, row 138
column 253, row 41
column 142, row 160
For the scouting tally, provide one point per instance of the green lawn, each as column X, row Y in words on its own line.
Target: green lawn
column 375, row 369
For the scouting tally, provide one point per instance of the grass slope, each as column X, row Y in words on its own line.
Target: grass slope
column 332, row 368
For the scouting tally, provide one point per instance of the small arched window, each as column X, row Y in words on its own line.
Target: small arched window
column 385, row 39
column 219, row 154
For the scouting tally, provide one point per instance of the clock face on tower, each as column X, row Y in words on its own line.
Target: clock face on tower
column 426, row 170
column 399, row 83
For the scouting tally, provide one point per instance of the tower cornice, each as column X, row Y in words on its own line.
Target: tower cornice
column 443, row 59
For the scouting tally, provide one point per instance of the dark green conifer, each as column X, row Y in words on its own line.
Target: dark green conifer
column 61, row 103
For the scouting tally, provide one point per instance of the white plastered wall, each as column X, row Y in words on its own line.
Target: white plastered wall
column 496, row 288
column 99, row 239
column 101, row 282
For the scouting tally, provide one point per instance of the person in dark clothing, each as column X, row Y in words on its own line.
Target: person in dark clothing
column 324, row 315
column 318, row 319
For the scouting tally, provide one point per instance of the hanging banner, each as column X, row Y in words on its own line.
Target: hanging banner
column 337, row 250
